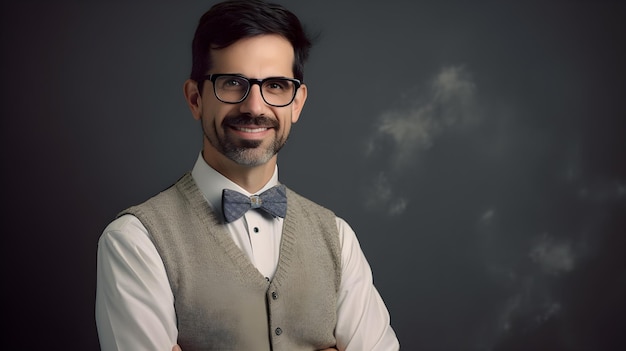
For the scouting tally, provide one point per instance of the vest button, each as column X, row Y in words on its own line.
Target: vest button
column 278, row 331
column 274, row 295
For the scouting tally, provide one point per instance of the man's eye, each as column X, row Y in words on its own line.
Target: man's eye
column 276, row 85
column 232, row 83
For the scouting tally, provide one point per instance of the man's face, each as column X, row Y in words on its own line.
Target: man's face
column 251, row 132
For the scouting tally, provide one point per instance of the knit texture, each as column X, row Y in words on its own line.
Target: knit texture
column 222, row 301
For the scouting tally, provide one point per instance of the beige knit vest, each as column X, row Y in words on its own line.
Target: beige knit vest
column 222, row 301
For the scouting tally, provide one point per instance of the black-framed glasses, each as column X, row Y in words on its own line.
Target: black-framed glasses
column 234, row 88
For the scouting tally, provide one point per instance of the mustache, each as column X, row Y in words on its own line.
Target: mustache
column 247, row 120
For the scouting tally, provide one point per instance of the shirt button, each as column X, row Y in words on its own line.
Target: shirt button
column 278, row 331
column 274, row 295
column 256, row 229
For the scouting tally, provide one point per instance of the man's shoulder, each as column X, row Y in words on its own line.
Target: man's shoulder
column 164, row 199
column 292, row 194
column 307, row 203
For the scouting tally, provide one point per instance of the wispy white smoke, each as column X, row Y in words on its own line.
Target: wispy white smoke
column 401, row 134
column 382, row 194
column 553, row 257
column 449, row 102
column 533, row 301
column 488, row 215
column 527, row 309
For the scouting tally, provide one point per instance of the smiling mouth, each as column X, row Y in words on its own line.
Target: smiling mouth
column 250, row 130
column 250, row 127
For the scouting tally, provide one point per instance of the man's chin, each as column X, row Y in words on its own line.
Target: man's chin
column 249, row 156
column 251, row 161
column 249, row 144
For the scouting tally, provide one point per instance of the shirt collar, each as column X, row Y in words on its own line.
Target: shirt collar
column 211, row 183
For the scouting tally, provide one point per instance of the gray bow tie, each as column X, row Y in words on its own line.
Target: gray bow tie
column 272, row 201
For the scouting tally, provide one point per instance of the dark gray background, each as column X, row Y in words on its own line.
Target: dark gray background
column 477, row 149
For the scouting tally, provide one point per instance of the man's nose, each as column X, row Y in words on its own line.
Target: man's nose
column 254, row 103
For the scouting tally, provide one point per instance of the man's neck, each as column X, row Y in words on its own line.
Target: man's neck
column 252, row 179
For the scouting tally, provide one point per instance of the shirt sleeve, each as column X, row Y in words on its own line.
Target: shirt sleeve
column 134, row 301
column 363, row 322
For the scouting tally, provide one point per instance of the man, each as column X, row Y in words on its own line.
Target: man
column 208, row 268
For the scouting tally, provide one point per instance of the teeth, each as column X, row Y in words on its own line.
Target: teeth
column 250, row 130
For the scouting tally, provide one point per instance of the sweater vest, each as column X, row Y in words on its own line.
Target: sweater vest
column 222, row 301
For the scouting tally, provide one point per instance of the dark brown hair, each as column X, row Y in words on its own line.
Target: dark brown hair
column 229, row 21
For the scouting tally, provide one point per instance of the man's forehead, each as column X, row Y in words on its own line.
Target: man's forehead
column 265, row 52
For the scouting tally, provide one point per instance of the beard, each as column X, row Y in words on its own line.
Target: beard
column 248, row 153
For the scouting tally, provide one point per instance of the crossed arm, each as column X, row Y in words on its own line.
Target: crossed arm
column 177, row 348
column 126, row 252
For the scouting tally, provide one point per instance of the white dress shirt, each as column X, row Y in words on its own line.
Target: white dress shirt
column 135, row 304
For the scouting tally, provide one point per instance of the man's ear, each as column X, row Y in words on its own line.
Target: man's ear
column 193, row 98
column 298, row 103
